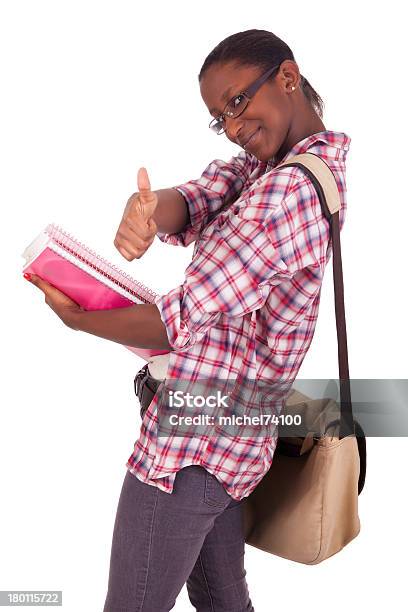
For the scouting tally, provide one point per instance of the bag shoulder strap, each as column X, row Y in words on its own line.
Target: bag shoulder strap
column 325, row 184
column 323, row 174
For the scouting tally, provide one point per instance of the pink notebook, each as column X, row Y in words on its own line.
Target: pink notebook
column 87, row 278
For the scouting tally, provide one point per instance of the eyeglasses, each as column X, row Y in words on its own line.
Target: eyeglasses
column 238, row 103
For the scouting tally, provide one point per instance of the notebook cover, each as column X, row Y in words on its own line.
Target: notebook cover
column 89, row 292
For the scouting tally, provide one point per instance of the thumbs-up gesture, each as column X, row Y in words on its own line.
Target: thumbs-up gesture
column 137, row 228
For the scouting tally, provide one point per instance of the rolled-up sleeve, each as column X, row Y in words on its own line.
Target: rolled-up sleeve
column 225, row 278
column 219, row 185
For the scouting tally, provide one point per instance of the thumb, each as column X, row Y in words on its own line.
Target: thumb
column 147, row 197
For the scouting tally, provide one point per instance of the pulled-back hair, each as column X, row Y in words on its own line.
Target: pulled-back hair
column 262, row 49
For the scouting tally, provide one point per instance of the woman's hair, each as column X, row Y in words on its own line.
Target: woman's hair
column 262, row 49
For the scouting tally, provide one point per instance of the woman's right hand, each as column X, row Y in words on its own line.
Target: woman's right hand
column 137, row 228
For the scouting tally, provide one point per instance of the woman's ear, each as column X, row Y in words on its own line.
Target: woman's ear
column 288, row 76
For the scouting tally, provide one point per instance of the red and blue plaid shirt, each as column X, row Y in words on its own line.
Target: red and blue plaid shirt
column 249, row 302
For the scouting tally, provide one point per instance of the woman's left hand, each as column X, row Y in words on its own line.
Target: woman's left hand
column 61, row 304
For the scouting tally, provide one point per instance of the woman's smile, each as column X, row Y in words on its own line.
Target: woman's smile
column 253, row 141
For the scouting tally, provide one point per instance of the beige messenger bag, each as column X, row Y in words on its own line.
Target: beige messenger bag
column 306, row 506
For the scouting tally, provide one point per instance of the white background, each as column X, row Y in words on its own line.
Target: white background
column 91, row 91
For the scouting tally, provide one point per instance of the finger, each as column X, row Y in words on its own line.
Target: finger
column 135, row 229
column 128, row 250
column 124, row 252
column 152, row 226
column 51, row 293
column 40, row 283
column 143, row 181
column 132, row 245
column 147, row 197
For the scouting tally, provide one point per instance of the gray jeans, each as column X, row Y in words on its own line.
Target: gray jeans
column 162, row 541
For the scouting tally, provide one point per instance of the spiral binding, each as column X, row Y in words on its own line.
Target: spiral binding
column 100, row 264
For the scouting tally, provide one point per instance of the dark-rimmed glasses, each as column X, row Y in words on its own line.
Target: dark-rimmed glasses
column 233, row 108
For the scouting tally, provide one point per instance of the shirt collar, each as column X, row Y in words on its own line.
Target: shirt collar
column 338, row 144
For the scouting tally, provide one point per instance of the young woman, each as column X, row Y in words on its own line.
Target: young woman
column 247, row 310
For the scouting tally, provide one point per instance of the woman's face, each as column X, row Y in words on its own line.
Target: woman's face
column 270, row 111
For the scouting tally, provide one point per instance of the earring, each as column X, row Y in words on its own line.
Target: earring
column 293, row 87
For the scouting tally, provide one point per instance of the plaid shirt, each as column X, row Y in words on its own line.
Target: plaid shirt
column 249, row 302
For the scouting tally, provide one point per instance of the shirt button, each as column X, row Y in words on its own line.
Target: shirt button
column 236, row 210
